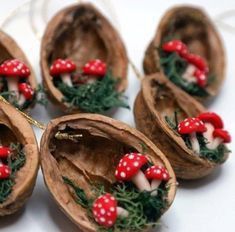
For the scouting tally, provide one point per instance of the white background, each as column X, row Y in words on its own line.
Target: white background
column 206, row 205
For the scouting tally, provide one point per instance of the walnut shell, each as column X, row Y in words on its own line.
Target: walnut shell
column 194, row 27
column 81, row 33
column 159, row 98
column 15, row 128
column 9, row 49
column 93, row 158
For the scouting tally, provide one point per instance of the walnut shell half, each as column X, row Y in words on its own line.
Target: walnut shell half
column 159, row 98
column 194, row 27
column 15, row 128
column 92, row 159
column 9, row 49
column 81, row 33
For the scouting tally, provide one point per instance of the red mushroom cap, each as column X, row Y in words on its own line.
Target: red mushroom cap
column 129, row 165
column 95, row 67
column 201, row 78
column 223, row 134
column 190, row 125
column 4, row 152
column 175, row 46
column 105, row 210
column 157, row 173
column 13, row 68
column 61, row 66
column 5, row 171
column 212, row 118
column 198, row 61
column 26, row 90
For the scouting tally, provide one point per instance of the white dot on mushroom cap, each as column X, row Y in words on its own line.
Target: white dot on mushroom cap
column 179, row 46
column 92, row 68
column 5, row 69
column 110, row 222
column 123, row 174
column 102, row 219
column 128, row 168
column 109, row 214
column 9, row 64
column 87, row 65
column 57, row 65
column 112, row 209
column 62, row 62
column 158, row 171
column 6, row 170
column 197, row 123
column 124, row 164
column 187, row 123
column 69, row 65
column 136, row 164
column 23, row 71
column 106, row 200
column 131, row 156
column 102, row 211
column 164, row 175
column 112, row 198
column 99, row 205
column 14, row 70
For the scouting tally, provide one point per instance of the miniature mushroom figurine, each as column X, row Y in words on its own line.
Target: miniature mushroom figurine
column 5, row 171
column 175, row 46
column 191, row 126
column 106, row 211
column 13, row 70
column 26, row 91
column 129, row 169
column 95, row 68
column 4, row 152
column 157, row 174
column 212, row 121
column 63, row 68
column 220, row 136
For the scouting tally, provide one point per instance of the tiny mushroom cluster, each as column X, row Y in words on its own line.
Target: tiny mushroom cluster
column 197, row 68
column 15, row 71
column 210, row 125
column 63, row 68
column 5, row 170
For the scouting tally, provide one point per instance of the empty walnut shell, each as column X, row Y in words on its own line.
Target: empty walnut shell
column 92, row 159
column 9, row 49
column 81, row 33
column 159, row 98
column 15, row 129
column 196, row 30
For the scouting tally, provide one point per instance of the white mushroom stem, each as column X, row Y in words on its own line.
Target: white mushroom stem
column 208, row 135
column 194, row 143
column 217, row 141
column 21, row 100
column 154, row 186
column 66, row 78
column 12, row 84
column 188, row 74
column 141, row 181
column 122, row 212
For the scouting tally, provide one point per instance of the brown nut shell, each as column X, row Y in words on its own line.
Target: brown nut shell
column 9, row 49
column 15, row 128
column 82, row 33
column 159, row 98
column 93, row 158
column 194, row 27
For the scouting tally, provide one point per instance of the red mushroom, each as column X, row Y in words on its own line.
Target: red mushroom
column 175, row 46
column 106, row 211
column 5, row 171
column 95, row 68
column 13, row 70
column 220, row 136
column 200, row 77
column 4, row 152
column 191, row 126
column 157, row 174
column 63, row 68
column 212, row 121
column 26, row 91
column 129, row 169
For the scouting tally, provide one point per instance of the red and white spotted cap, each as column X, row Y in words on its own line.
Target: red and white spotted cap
column 95, row 67
column 190, row 125
column 105, row 210
column 201, row 78
column 157, row 173
column 61, row 66
column 14, row 68
column 5, row 171
column 175, row 46
column 26, row 90
column 129, row 165
column 4, row 152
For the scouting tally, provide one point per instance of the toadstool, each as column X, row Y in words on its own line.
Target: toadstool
column 129, row 169
column 220, row 136
column 5, row 171
column 63, row 68
column 95, row 67
column 191, row 126
column 4, row 152
column 26, row 91
column 106, row 211
column 175, row 46
column 13, row 70
column 157, row 174
column 212, row 121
